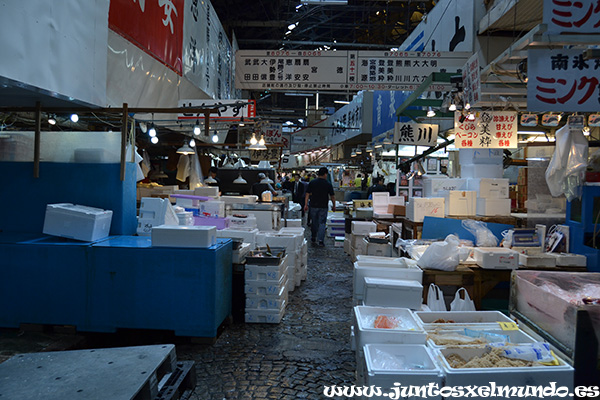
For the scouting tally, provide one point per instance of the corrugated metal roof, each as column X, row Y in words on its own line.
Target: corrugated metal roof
column 512, row 15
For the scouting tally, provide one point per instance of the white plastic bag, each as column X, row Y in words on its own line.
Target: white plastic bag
column 441, row 255
column 483, row 236
column 435, row 298
column 460, row 304
column 564, row 174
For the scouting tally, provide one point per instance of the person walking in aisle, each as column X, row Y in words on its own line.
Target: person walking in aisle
column 298, row 191
column 377, row 187
column 319, row 191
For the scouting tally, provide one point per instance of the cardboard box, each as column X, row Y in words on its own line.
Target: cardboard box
column 489, row 188
column 493, row 207
column 433, row 186
column 420, row 207
column 395, row 209
column 460, row 202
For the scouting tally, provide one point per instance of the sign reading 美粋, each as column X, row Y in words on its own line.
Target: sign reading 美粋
column 350, row 70
column 562, row 80
column 489, row 130
column 410, row 133
column 582, row 16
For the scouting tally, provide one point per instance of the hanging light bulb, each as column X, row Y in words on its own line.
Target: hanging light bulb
column 358, row 150
column 430, row 113
column 215, row 137
column 154, row 140
column 253, row 140
column 74, row 117
column 52, row 120
column 152, row 131
column 261, row 142
column 192, row 143
column 452, row 107
column 197, row 128
column 353, row 154
column 467, row 106
column 369, row 148
column 185, row 150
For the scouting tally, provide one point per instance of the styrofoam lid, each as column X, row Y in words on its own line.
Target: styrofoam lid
column 392, row 283
column 75, row 208
column 184, row 228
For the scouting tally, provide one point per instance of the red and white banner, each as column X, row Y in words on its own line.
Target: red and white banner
column 489, row 130
column 273, row 135
column 155, row 26
column 581, row 16
column 227, row 110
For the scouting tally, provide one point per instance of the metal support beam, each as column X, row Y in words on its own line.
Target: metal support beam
column 123, row 140
column 338, row 45
column 37, row 139
column 443, row 77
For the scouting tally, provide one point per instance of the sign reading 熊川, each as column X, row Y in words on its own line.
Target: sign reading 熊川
column 489, row 130
column 410, row 133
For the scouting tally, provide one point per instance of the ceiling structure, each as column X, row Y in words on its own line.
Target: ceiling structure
column 292, row 24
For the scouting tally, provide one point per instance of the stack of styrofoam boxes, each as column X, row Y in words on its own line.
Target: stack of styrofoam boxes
column 248, row 235
column 292, row 242
column 434, row 186
column 364, row 333
column 303, row 267
column 266, row 291
column 155, row 211
column 381, row 200
column 239, row 220
column 420, row 207
column 493, row 196
column 376, row 248
column 335, row 224
column 460, row 202
column 560, row 374
column 360, row 229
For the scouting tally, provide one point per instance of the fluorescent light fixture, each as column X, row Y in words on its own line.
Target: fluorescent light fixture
column 215, row 137
column 430, row 112
column 185, row 150
column 154, row 139
column 292, row 26
column 341, row 102
column 197, row 128
column 288, row 32
column 74, row 117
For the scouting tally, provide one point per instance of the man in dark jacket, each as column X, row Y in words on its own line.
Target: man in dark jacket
column 320, row 192
column 377, row 187
column 298, row 191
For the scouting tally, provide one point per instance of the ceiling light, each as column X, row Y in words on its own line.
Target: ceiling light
column 240, row 180
column 467, row 106
column 197, row 128
column 378, row 145
column 192, row 143
column 154, row 139
column 74, row 117
column 341, row 102
column 353, row 154
column 210, row 179
column 262, row 140
column 387, row 140
column 369, row 148
column 452, row 107
column 291, row 27
column 430, row 113
column 288, row 32
column 185, row 150
column 253, row 140
column 152, row 131
column 358, row 150
column 471, row 117
column 215, row 137
column 52, row 120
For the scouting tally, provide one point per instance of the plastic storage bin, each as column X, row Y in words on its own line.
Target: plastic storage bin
column 496, row 258
column 462, row 319
column 393, row 293
column 408, row 331
column 78, row 222
column 184, row 236
column 400, row 270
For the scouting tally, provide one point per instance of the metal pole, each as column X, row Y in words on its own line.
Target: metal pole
column 36, row 144
column 123, row 140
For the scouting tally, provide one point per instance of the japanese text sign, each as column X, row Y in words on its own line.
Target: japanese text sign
column 227, row 110
column 273, row 134
column 562, row 80
column 410, row 133
column 581, row 16
column 156, row 26
column 489, row 130
column 472, row 80
column 334, row 70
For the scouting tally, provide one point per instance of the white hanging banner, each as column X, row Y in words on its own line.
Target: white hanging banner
column 489, row 130
column 582, row 16
column 562, row 80
column 227, row 110
column 410, row 133
column 472, row 80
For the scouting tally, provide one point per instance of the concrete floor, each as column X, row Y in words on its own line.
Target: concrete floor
column 292, row 360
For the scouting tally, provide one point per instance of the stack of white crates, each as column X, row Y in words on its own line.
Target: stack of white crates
column 493, row 197
column 292, row 239
column 155, row 211
column 266, row 291
column 360, row 230
column 335, row 224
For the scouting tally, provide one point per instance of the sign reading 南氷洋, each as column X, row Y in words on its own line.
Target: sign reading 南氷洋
column 489, row 130
column 410, row 133
column 562, row 80
column 334, row 70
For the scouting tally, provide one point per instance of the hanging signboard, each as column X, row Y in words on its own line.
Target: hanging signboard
column 273, row 134
column 154, row 26
column 489, row 130
column 562, row 80
column 348, row 70
column 472, row 80
column 582, row 16
column 271, row 154
column 227, row 110
column 410, row 133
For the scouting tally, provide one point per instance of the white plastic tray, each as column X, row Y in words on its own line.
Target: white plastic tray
column 409, row 332
column 462, row 319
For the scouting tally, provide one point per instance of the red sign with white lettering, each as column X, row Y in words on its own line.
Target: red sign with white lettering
column 156, row 26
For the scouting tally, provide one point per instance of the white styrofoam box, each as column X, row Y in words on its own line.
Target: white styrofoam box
column 432, row 186
column 290, row 241
column 559, row 375
column 250, row 199
column 514, row 336
column 271, row 302
column 481, row 171
column 393, row 293
column 390, row 270
column 339, row 241
column 409, row 364
column 460, row 202
column 397, row 200
column 480, row 156
column 294, row 230
column 155, row 211
column 238, row 222
column 355, row 239
column 207, row 191
column 212, row 208
column 462, row 319
column 537, row 260
column 265, row 287
column 248, row 235
column 186, row 218
column 184, row 236
column 335, row 231
column 493, row 207
column 363, row 227
column 271, row 273
column 418, row 208
column 360, row 248
column 293, row 223
column 569, row 259
column 77, row 222
column 264, row 316
column 239, row 256
column 380, row 202
column 408, row 330
column 383, row 215
column 489, row 188
column 496, row 258
column 379, row 249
